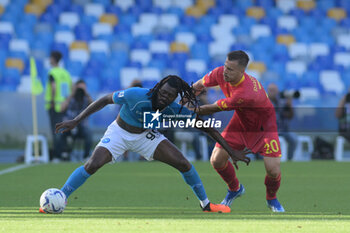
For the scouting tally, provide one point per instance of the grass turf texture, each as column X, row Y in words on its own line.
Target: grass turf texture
column 152, row 197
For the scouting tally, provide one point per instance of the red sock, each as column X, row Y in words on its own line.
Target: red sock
column 272, row 186
column 228, row 174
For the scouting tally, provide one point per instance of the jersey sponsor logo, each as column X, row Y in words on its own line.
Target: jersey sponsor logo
column 121, row 94
column 106, row 140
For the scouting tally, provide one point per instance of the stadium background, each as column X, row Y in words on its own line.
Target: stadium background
column 299, row 45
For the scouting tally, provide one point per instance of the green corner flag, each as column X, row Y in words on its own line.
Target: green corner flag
column 37, row 87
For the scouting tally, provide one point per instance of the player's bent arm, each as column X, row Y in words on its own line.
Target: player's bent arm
column 93, row 107
column 198, row 87
column 234, row 154
column 208, row 109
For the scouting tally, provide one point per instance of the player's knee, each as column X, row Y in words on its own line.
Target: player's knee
column 91, row 166
column 217, row 162
column 183, row 165
column 273, row 172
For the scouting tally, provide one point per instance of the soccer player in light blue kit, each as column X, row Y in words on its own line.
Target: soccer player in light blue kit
column 127, row 133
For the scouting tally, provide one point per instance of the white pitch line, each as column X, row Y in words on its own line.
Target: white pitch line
column 16, row 168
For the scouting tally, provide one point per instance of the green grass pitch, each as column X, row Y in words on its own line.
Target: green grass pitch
column 152, row 197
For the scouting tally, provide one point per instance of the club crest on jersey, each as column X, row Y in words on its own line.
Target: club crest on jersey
column 121, row 94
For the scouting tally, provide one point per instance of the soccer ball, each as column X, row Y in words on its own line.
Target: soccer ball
column 53, row 201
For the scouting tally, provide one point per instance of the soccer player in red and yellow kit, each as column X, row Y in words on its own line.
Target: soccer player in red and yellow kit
column 252, row 126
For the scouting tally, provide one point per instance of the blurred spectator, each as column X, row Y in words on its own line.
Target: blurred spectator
column 58, row 88
column 343, row 114
column 72, row 106
column 284, row 113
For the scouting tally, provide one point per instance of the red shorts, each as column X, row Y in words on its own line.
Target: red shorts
column 265, row 143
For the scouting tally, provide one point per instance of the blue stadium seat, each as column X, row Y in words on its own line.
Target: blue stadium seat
column 149, row 83
column 105, row 3
column 344, row 4
column 325, row 4
column 55, row 9
column 109, row 38
column 125, row 37
column 273, row 12
column 265, row 3
column 235, row 11
column 175, row 10
column 134, row 64
column 156, row 10
column 191, row 77
column 165, row 36
column 120, row 56
column 29, row 19
column 299, row 13
column 216, row 11
column 271, row 22
column 128, row 19
column 317, row 13
column 44, row 38
column 158, row 63
column 76, row 8
column 208, row 20
column 11, row 77
column 145, row 5
column 182, row 28
column 241, row 30
column 225, row 4
column 92, row 83
column 4, row 41
column 325, row 61
column 278, row 67
column 75, row 68
column 121, row 28
column 88, row 20
column 9, row 17
column 48, row 18
column 83, row 32
column 200, row 51
column 244, row 4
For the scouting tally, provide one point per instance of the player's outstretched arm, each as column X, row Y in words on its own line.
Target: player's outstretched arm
column 234, row 154
column 208, row 109
column 95, row 106
column 198, row 87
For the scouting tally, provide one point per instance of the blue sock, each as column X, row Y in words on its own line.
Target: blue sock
column 192, row 179
column 75, row 180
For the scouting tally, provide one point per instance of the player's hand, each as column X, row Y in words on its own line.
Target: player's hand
column 240, row 156
column 65, row 126
column 184, row 101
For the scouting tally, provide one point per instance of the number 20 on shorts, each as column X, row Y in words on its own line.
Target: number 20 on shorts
column 271, row 147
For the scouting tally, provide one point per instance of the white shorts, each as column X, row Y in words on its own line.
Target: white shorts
column 117, row 140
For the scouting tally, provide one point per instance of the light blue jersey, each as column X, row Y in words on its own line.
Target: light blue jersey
column 135, row 102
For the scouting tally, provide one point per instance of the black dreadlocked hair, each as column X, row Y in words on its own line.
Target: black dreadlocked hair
column 186, row 92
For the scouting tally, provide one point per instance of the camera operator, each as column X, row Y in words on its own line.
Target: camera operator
column 343, row 114
column 282, row 102
column 72, row 106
